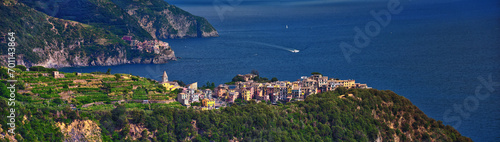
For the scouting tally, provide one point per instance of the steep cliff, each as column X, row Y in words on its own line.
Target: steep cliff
column 98, row 13
column 143, row 19
column 164, row 21
column 53, row 42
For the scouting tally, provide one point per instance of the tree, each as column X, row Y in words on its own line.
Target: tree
column 58, row 101
column 50, row 69
column 109, row 71
column 117, row 76
column 238, row 78
column 316, row 73
column 37, row 68
column 180, row 82
column 208, row 85
column 3, row 90
column 135, row 78
column 3, row 73
column 255, row 72
column 341, row 90
column 145, row 135
column 106, row 87
column 196, row 104
column 274, row 79
column 21, row 67
column 119, row 116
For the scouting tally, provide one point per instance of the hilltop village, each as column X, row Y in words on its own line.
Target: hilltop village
column 100, row 90
column 246, row 88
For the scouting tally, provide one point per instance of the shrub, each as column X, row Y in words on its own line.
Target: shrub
column 58, row 101
column 117, row 76
column 21, row 67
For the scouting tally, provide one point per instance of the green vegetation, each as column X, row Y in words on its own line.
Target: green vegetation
column 323, row 117
column 21, row 67
column 99, row 14
column 180, row 82
column 255, row 79
column 196, row 104
column 364, row 115
column 261, row 79
column 208, row 85
column 238, row 78
column 153, row 10
column 316, row 73
column 3, row 73
column 255, row 72
column 88, row 88
column 102, row 35
column 113, row 16
column 274, row 79
column 42, row 69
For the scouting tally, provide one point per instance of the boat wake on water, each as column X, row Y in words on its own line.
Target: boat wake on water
column 275, row 46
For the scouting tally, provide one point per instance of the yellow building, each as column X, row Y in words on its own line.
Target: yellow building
column 295, row 85
column 347, row 83
column 207, row 103
column 169, row 86
column 246, row 94
column 193, row 86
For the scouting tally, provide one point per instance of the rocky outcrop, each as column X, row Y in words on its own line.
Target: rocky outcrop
column 6, row 136
column 51, row 42
column 136, row 131
column 143, row 19
column 61, row 58
column 166, row 21
column 81, row 131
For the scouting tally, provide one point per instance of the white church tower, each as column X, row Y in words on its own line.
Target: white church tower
column 165, row 77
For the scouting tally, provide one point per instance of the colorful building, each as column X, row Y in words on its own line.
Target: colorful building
column 208, row 102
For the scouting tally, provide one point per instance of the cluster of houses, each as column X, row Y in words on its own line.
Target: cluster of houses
column 248, row 89
column 149, row 46
column 191, row 94
column 283, row 91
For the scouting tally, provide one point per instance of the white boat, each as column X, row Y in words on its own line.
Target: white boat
column 295, row 51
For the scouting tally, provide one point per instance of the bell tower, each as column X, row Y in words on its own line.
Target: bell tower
column 165, row 77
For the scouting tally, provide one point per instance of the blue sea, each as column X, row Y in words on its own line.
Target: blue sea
column 443, row 56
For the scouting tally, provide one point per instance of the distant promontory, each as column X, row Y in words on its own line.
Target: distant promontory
column 95, row 32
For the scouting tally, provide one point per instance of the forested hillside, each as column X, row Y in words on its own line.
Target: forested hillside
column 142, row 19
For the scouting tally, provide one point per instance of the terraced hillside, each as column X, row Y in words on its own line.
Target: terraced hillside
column 90, row 90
